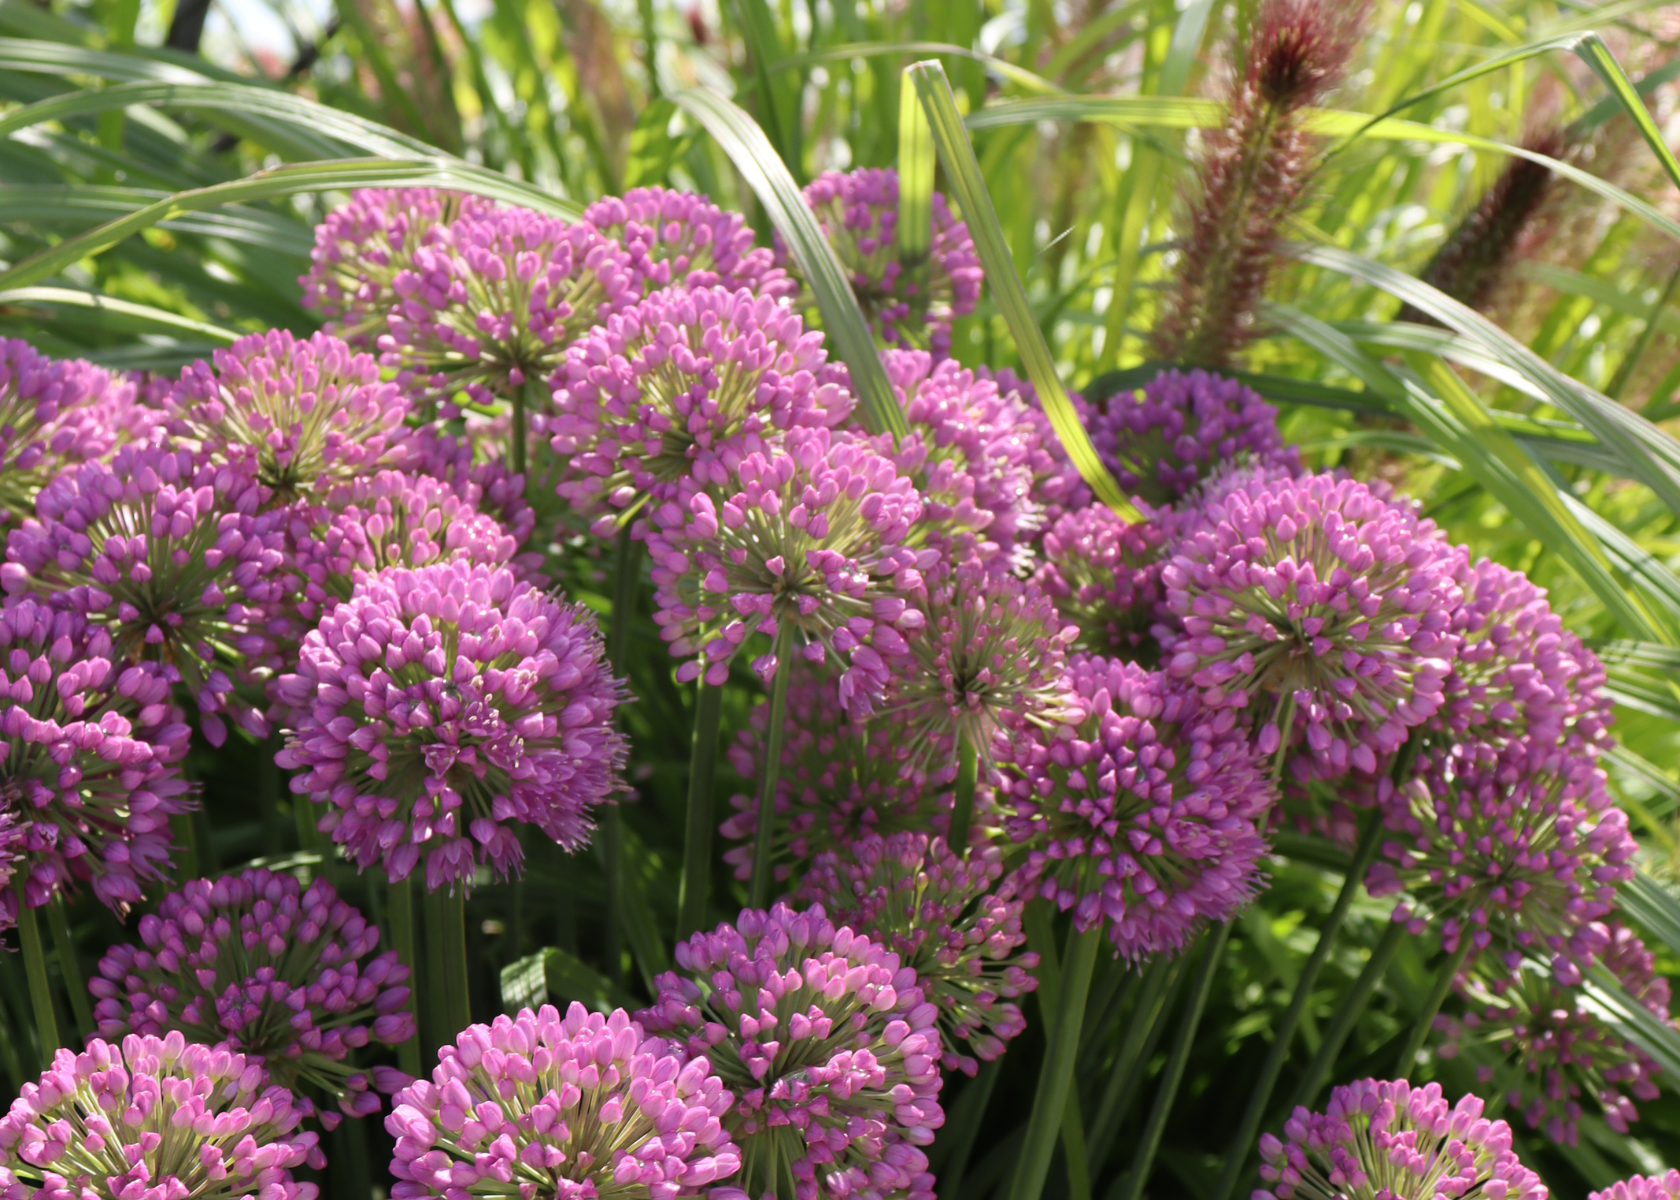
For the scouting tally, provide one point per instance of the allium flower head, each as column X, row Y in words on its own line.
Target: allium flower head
column 1519, row 848
column 288, row 977
column 682, row 239
column 1322, row 605
column 159, row 1119
column 54, row 414
column 486, row 483
column 494, row 302
column 1391, row 1141
column 573, row 1108
column 1165, row 437
column 171, row 556
column 1639, row 1187
column 912, row 309
column 1104, row 576
column 827, row 1043
column 944, row 919
column 840, row 780
column 448, row 701
column 1552, row 1050
column 303, row 414
column 1147, row 819
column 990, row 655
column 363, row 246
column 1058, row 487
column 88, row 777
column 811, row 534
column 391, row 519
column 680, row 388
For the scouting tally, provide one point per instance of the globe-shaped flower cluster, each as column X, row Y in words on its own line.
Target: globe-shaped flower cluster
column 679, row 238
column 1104, row 576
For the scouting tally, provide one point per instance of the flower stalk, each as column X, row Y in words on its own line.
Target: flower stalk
column 697, row 833
column 763, row 839
column 1448, row 972
column 40, row 986
column 1347, row 1013
column 69, row 967
column 399, row 905
column 962, row 815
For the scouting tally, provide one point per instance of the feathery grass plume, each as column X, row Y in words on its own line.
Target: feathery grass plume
column 1253, row 171
column 828, row 1043
column 580, row 1107
column 157, row 1119
column 363, row 246
column 1392, row 1141
column 288, row 977
column 438, row 706
column 171, row 554
column 1471, row 263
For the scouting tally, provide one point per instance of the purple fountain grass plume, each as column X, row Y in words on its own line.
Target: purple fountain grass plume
column 363, row 246
column 573, row 1108
column 438, row 706
column 300, row 415
column 828, row 1043
column 171, row 554
column 683, row 239
column 289, row 977
column 1394, row 1141
column 158, row 1117
column 1147, row 818
column 1253, row 171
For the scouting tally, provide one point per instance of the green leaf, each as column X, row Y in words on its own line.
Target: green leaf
column 85, row 204
column 1633, row 1020
column 967, row 185
column 653, row 151
column 916, row 162
column 745, row 144
column 286, row 180
column 1652, row 776
column 115, row 314
column 850, row 50
column 781, row 109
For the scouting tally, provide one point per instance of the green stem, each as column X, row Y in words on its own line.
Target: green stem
column 1346, row 1014
column 69, row 966
column 456, row 972
column 434, row 1009
column 697, row 836
column 1055, row 1077
column 399, row 904
column 1437, row 996
column 1130, row 1185
column 303, row 814
column 759, row 896
column 40, row 987
column 185, row 832
column 962, row 815
column 1242, row 1140
column 626, row 560
column 966, row 1116
column 516, row 446
column 1142, row 1032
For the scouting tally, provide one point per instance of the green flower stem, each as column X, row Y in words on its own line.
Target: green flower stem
column 1130, row 1185
column 184, row 829
column 966, row 1117
column 1283, row 1033
column 456, row 973
column 399, row 904
column 1055, row 1077
column 1432, row 1004
column 69, row 966
column 1346, row 1014
column 1143, row 1031
column 40, row 987
column 626, row 560
column 434, row 1008
column 303, row 813
column 516, row 447
column 962, row 815
column 697, row 835
column 759, row 896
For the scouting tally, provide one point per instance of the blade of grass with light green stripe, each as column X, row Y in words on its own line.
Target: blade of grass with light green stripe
column 914, row 231
column 969, row 188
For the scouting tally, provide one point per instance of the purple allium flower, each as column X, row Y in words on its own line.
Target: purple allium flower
column 300, row 414
column 1147, row 818
column 449, row 701
column 1519, row 846
column 1530, row 1023
column 1162, row 439
column 839, row 781
column 810, row 533
column 487, row 483
column 159, row 1118
column 828, row 1045
column 1518, row 673
column 681, row 388
column 1104, row 576
column 89, row 778
column 942, row 916
column 1639, row 1187
column 1394, row 1141
column 683, row 239
column 54, row 414
column 573, row 1108
column 290, row 978
column 912, row 309
column 1325, row 607
column 989, row 656
column 1057, row 485
column 494, row 301
column 171, row 555
column 391, row 519
column 362, row 246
